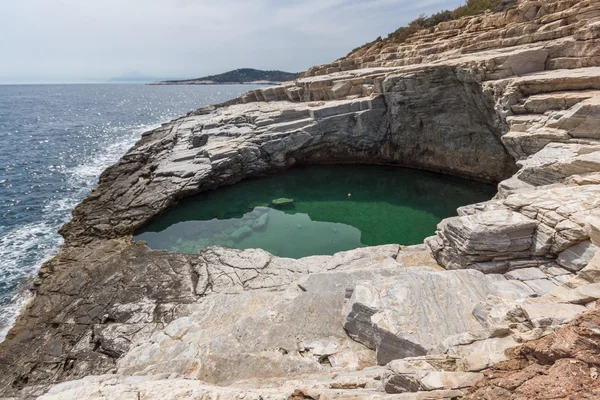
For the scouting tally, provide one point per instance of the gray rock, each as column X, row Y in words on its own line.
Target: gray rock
column 414, row 313
column 543, row 313
column 479, row 240
column 526, row 274
column 541, row 286
column 241, row 233
column 261, row 222
column 577, row 257
column 199, row 140
column 481, row 354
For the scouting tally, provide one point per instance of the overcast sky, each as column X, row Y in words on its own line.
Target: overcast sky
column 95, row 40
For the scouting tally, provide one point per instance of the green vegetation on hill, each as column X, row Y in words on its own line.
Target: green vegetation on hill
column 471, row 7
column 243, row 75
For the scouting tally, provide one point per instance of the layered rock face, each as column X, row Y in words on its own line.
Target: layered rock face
column 410, row 125
column 510, row 97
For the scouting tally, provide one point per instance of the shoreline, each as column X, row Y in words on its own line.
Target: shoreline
column 210, row 83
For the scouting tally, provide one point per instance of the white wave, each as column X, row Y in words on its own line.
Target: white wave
column 24, row 249
column 87, row 172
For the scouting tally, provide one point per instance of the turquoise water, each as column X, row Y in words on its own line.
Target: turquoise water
column 315, row 210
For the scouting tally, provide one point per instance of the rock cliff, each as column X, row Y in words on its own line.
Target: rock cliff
column 499, row 303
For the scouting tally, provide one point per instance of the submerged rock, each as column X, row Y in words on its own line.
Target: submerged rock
column 261, row 222
column 241, row 233
column 282, row 203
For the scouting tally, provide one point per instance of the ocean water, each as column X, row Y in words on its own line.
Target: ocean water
column 316, row 210
column 55, row 140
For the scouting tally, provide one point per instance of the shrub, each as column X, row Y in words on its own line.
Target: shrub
column 471, row 7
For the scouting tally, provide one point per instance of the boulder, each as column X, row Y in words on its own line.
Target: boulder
column 484, row 241
column 577, row 257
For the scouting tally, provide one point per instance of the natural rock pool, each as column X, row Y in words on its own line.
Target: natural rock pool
column 315, row 210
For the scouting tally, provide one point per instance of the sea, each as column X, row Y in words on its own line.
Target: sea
column 55, row 140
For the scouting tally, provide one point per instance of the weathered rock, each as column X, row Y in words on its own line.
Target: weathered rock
column 577, row 257
column 526, row 274
column 485, row 241
column 240, row 233
column 426, row 374
column 580, row 295
column 543, row 314
column 560, row 365
column 591, row 273
column 414, row 313
column 417, row 256
column 593, row 224
column 482, row 354
column 542, row 286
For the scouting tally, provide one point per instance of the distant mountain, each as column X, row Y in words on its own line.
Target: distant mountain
column 243, row 75
column 135, row 77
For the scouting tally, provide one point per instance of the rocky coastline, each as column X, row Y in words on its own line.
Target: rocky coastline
column 501, row 303
column 199, row 82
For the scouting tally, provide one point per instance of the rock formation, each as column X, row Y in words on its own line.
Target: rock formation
column 507, row 97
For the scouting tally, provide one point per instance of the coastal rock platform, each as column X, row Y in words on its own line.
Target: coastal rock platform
column 499, row 303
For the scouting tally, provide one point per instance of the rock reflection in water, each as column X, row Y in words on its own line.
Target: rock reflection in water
column 308, row 211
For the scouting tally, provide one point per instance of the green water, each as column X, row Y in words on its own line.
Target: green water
column 307, row 211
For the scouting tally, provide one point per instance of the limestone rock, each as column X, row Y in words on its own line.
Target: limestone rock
column 580, row 295
column 526, row 274
column 543, row 314
column 484, row 241
column 577, row 257
column 414, row 313
column 482, row 354
column 594, row 230
column 591, row 273
column 426, row 373
column 261, row 222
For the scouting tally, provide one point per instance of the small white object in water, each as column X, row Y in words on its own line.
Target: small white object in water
column 334, row 229
column 349, row 195
column 299, row 226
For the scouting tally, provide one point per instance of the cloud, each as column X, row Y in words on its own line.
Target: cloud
column 83, row 40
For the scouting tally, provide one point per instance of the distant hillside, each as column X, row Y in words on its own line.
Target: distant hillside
column 243, row 75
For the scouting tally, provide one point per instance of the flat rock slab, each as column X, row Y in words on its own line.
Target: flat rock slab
column 543, row 314
column 260, row 334
column 414, row 313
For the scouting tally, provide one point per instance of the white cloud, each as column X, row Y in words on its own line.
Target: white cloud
column 73, row 40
